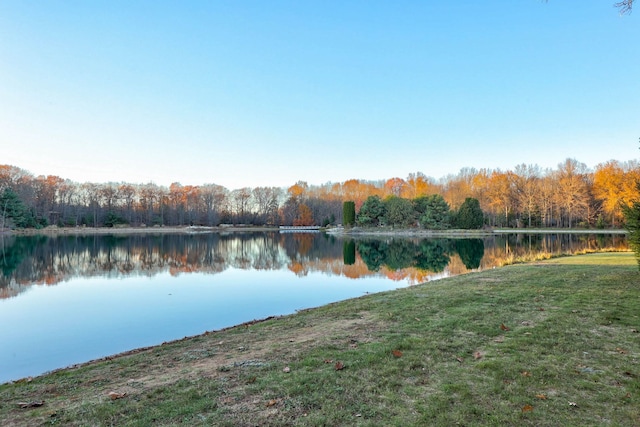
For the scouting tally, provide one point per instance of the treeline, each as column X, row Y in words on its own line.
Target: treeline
column 569, row 196
column 429, row 212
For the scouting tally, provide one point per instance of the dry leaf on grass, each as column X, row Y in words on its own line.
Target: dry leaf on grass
column 541, row 396
column 504, row 328
column 397, row 353
column 339, row 366
column 113, row 395
column 478, row 355
column 527, row 408
column 286, row 370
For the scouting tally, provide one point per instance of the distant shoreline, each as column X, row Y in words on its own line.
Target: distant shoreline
column 356, row 231
column 53, row 231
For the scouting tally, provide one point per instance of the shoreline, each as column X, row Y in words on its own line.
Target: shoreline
column 356, row 231
column 53, row 231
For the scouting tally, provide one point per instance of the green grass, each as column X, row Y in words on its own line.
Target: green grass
column 568, row 354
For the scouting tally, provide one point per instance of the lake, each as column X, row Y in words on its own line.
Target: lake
column 70, row 299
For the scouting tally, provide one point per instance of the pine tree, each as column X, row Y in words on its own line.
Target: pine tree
column 470, row 215
column 348, row 213
column 14, row 212
column 632, row 216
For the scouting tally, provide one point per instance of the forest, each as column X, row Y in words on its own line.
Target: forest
column 569, row 196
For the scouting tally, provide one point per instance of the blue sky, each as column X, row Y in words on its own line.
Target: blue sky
column 255, row 93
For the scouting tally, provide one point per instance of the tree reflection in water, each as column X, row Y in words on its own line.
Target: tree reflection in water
column 28, row 260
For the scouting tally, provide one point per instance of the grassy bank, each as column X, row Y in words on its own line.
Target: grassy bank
column 544, row 344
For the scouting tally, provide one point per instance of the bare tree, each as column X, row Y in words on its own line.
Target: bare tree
column 266, row 203
column 128, row 194
column 213, row 197
column 241, row 198
column 624, row 6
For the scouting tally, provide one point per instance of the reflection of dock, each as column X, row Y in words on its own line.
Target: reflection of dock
column 299, row 228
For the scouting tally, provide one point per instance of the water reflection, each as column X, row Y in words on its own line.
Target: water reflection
column 29, row 260
column 116, row 293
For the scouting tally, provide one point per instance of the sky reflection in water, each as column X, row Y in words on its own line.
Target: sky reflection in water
column 85, row 319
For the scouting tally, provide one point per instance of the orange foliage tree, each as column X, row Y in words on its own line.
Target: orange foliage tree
column 305, row 216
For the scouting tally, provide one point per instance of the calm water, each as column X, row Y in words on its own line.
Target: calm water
column 70, row 299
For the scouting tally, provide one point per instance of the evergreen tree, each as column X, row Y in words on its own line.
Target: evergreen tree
column 372, row 211
column 433, row 212
column 14, row 212
column 632, row 216
column 470, row 215
column 349, row 213
column 399, row 212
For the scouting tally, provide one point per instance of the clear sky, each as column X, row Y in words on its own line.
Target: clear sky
column 255, row 93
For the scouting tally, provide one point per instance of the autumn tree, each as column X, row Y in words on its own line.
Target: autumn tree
column 395, row 187
column 298, row 190
column 185, row 204
column 416, row 185
column 456, row 188
column 305, row 216
column 614, row 185
column 357, row 191
column 526, row 190
column 479, row 185
column 501, row 197
column 46, row 191
column 12, row 177
column 571, row 190
column 296, row 196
